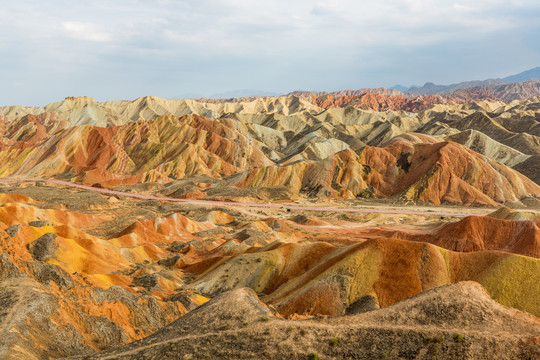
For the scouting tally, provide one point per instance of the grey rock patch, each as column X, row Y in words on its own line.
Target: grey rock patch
column 185, row 300
column 212, row 232
column 39, row 223
column 45, row 273
column 275, row 225
column 9, row 269
column 146, row 281
column 251, row 234
column 169, row 262
column 44, row 247
column 362, row 305
column 13, row 230
column 106, row 332
column 30, row 311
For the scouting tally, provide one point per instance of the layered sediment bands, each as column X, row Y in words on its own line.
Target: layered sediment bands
column 380, row 102
column 163, row 149
column 447, row 172
column 513, row 125
column 47, row 312
column 483, row 144
column 151, row 139
column 43, row 320
column 85, row 111
column 123, row 269
column 475, row 233
column 387, row 269
column 65, row 292
column 442, row 172
column 83, row 271
column 530, row 168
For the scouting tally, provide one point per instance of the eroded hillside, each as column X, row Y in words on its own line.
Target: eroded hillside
column 270, row 226
column 283, row 141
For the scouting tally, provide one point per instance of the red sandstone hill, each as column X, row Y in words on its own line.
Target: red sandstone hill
column 476, row 233
column 163, row 149
column 169, row 148
column 413, row 172
column 384, row 99
column 382, row 102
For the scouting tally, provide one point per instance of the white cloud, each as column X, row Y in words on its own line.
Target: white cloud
column 328, row 7
column 86, row 31
column 175, row 46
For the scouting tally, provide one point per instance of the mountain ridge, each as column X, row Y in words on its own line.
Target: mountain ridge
column 430, row 88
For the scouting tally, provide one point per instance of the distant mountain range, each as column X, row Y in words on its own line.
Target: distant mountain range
column 382, row 91
column 242, row 93
column 430, row 88
column 233, row 94
column 400, row 88
column 532, row 74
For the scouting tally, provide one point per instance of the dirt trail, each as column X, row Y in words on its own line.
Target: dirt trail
column 238, row 204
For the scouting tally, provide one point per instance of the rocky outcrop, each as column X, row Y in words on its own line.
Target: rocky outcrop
column 44, row 247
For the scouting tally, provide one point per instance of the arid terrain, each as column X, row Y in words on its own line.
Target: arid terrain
column 348, row 225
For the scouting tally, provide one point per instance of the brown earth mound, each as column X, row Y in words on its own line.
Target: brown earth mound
column 455, row 321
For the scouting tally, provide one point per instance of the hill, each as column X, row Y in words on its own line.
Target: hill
column 425, row 332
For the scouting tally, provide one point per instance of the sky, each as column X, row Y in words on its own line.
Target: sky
column 124, row 49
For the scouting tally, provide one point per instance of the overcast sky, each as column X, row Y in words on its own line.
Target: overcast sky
column 123, row 49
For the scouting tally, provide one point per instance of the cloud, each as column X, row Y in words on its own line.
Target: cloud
column 86, row 31
column 126, row 48
column 325, row 8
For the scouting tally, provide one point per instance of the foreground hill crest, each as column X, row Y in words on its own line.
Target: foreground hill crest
column 230, row 327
